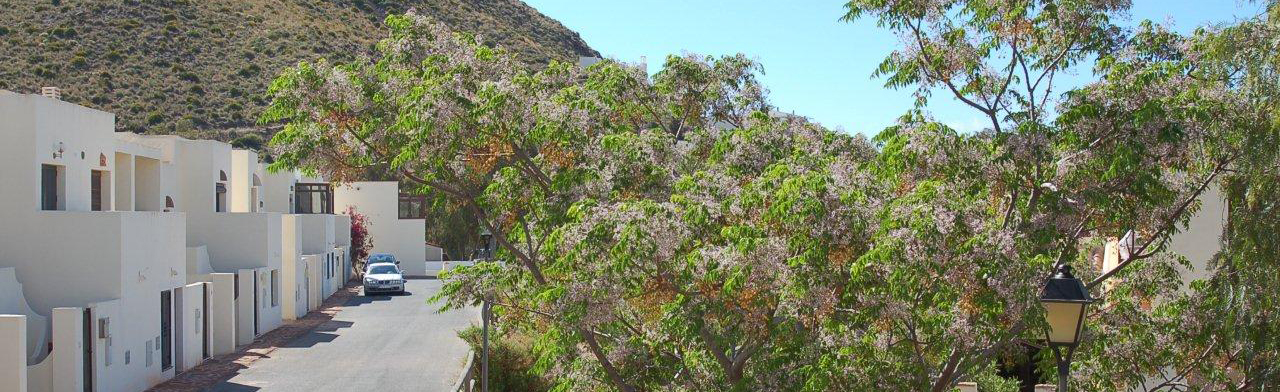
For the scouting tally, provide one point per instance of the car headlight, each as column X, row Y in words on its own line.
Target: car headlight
column 370, row 280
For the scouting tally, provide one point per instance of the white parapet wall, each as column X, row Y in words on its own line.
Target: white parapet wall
column 13, row 353
column 294, row 301
column 222, row 311
column 315, row 271
column 12, row 301
column 63, row 369
column 189, row 319
column 435, row 268
column 245, row 303
column 268, row 292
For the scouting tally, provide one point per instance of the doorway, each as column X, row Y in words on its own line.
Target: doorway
column 166, row 330
column 204, row 321
column 87, row 338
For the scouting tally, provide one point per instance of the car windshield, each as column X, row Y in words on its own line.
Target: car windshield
column 383, row 269
column 382, row 259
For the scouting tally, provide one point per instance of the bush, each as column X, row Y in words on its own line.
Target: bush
column 511, row 360
column 254, row 142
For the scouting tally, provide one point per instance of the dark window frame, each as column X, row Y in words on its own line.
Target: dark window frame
column 411, row 206
column 303, row 198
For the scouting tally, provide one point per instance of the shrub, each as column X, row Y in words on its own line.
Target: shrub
column 254, row 142
column 360, row 241
column 511, row 360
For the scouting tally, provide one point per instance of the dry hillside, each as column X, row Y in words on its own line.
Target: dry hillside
column 193, row 66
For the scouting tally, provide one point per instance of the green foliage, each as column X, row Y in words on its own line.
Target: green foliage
column 511, row 360
column 672, row 232
column 250, row 141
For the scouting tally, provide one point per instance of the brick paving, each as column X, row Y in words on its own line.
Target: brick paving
column 222, row 368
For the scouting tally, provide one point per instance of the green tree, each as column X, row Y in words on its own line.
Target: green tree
column 674, row 233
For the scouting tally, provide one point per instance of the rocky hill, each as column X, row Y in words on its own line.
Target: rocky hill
column 195, row 67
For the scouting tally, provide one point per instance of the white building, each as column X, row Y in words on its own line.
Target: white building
column 395, row 222
column 130, row 258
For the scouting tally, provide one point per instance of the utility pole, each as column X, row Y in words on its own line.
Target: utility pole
column 484, row 356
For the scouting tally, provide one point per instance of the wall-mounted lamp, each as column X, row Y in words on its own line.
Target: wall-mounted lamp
column 58, row 149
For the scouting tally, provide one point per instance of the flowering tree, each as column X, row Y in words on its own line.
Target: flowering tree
column 1171, row 118
column 673, row 233
column 361, row 243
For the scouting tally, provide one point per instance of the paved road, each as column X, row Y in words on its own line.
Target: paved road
column 379, row 343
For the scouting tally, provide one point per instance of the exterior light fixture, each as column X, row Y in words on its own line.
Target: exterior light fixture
column 1065, row 300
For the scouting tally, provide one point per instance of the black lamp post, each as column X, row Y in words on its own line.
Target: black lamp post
column 1065, row 299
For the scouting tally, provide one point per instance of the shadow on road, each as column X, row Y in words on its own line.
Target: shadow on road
column 227, row 386
column 320, row 334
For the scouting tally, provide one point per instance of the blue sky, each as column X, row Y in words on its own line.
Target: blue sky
column 815, row 65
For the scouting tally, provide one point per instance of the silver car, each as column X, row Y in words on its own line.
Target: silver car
column 383, row 277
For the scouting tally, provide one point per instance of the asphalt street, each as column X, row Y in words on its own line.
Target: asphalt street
column 377, row 343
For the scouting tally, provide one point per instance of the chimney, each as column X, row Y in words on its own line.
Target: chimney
column 51, row 92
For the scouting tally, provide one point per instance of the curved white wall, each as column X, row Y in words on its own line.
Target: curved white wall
column 13, row 302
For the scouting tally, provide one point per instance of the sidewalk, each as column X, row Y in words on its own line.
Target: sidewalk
column 221, row 368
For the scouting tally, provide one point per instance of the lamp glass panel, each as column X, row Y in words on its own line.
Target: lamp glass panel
column 1063, row 318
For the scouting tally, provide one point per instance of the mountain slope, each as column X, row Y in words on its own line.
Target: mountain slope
column 190, row 66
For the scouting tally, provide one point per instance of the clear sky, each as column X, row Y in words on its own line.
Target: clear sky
column 815, row 65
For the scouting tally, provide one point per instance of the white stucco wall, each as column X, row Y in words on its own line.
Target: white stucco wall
column 245, row 303
column 135, row 256
column 316, row 233
column 13, row 353
column 244, row 194
column 222, row 311
column 34, row 128
column 315, row 269
column 13, row 301
column 191, row 335
column 295, row 286
column 380, row 203
column 277, row 193
column 1201, row 239
column 237, row 240
column 63, row 369
column 270, row 315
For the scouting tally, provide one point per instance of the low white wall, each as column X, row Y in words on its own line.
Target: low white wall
column 12, row 301
column 316, row 233
column 13, row 353
column 222, row 311
column 63, row 369
column 295, row 289
column 434, row 253
column 269, row 309
column 237, row 241
column 245, row 302
column 192, row 333
column 315, row 271
column 434, row 268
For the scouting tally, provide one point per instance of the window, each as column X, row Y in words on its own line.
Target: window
column 275, row 288
column 413, row 206
column 52, row 182
column 313, row 198
column 220, row 197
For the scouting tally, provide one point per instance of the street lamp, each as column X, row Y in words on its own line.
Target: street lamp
column 1065, row 299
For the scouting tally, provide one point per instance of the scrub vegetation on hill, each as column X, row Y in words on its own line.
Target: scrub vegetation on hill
column 191, row 67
